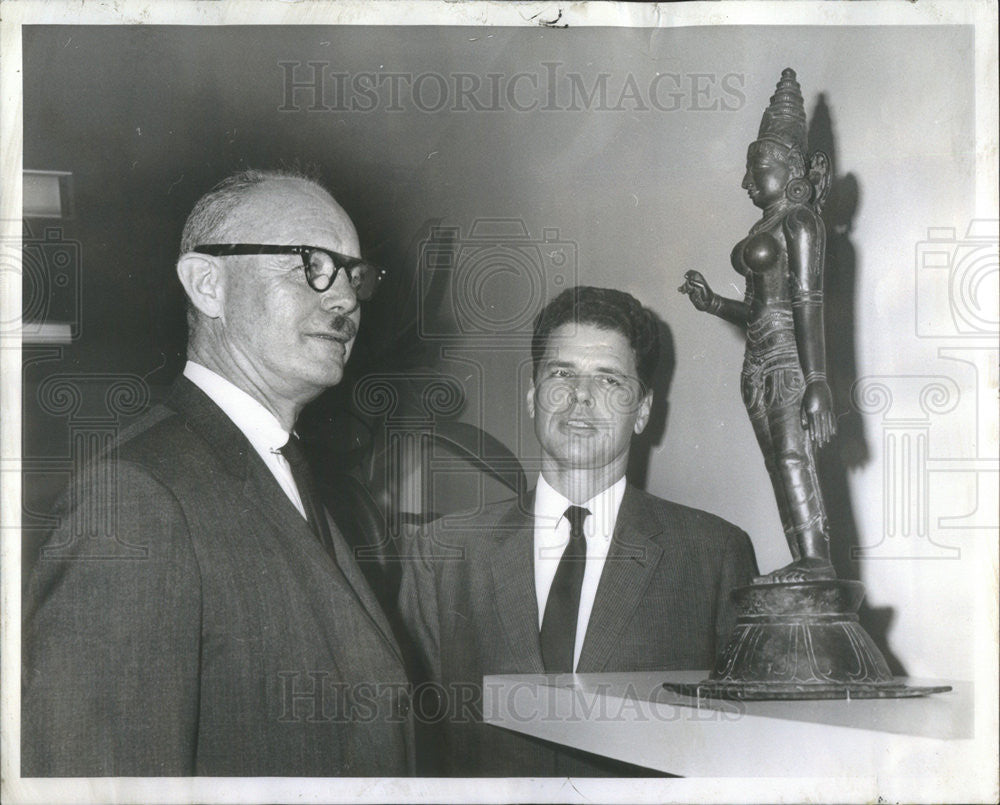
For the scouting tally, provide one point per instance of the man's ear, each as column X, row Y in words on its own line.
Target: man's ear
column 642, row 417
column 531, row 400
column 202, row 279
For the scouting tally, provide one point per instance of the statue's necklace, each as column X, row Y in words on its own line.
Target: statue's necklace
column 777, row 213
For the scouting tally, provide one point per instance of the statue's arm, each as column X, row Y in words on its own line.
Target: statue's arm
column 805, row 237
column 706, row 300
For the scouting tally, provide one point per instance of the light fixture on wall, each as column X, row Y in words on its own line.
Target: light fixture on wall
column 48, row 194
column 50, row 264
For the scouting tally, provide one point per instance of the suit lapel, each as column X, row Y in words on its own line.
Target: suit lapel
column 264, row 494
column 210, row 422
column 628, row 569
column 359, row 584
column 233, row 449
column 514, row 586
column 264, row 491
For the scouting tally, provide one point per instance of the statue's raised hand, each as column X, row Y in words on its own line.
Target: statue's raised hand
column 702, row 297
column 817, row 412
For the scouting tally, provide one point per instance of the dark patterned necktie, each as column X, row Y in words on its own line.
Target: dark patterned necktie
column 315, row 513
column 558, row 637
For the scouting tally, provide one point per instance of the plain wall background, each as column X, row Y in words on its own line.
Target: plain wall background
column 148, row 118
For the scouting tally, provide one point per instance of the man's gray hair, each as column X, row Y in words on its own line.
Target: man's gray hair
column 210, row 219
column 212, row 216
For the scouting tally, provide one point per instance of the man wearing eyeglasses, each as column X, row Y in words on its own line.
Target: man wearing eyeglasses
column 241, row 639
column 589, row 574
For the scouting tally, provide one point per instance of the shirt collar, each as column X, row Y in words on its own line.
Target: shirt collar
column 259, row 425
column 550, row 507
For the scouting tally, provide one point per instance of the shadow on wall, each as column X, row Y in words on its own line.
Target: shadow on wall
column 652, row 436
column 849, row 450
column 377, row 441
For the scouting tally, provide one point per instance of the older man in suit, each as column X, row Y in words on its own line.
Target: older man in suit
column 240, row 637
column 588, row 575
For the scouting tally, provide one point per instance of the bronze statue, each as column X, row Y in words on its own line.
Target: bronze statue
column 797, row 632
column 783, row 382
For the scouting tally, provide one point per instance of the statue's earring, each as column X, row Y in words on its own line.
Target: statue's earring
column 798, row 190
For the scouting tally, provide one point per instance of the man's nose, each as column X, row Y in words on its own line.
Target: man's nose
column 340, row 296
column 582, row 392
column 747, row 181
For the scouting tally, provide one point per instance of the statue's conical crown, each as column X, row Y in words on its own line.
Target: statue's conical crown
column 784, row 120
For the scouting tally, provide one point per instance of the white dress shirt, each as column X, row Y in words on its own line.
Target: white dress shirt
column 259, row 425
column 552, row 536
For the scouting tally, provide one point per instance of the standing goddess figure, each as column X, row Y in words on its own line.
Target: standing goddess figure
column 783, row 382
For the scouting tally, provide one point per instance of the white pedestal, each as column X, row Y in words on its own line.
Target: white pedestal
column 631, row 717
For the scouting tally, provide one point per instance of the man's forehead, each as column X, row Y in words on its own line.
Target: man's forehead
column 583, row 342
column 290, row 210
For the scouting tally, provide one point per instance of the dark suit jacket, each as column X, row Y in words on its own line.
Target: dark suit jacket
column 226, row 641
column 468, row 599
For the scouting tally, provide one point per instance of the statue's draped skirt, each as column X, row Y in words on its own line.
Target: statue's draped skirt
column 772, row 386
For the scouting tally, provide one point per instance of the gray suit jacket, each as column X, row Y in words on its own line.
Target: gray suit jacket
column 225, row 641
column 468, row 599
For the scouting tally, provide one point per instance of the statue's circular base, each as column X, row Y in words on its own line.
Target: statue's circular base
column 756, row 692
column 801, row 640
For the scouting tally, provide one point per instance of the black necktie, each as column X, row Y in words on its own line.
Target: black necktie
column 315, row 514
column 558, row 636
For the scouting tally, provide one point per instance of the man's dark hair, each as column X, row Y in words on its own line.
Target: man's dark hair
column 605, row 308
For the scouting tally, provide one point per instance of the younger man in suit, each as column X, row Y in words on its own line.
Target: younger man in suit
column 590, row 574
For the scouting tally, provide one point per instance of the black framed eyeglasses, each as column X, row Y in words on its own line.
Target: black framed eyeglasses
column 321, row 265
